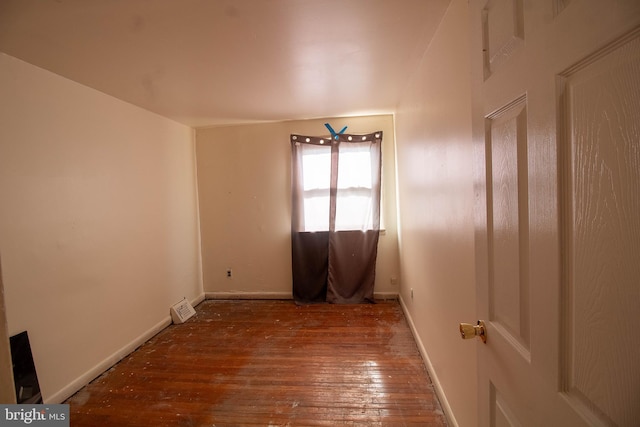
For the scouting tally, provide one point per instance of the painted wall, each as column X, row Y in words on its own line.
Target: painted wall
column 98, row 222
column 7, row 392
column 245, row 204
column 436, row 202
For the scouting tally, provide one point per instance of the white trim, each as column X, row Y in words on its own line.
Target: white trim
column 107, row 363
column 451, row 419
column 279, row 295
column 248, row 295
column 385, row 295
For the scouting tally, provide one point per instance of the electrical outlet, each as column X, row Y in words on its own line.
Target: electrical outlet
column 411, row 294
column 229, row 273
column 393, row 281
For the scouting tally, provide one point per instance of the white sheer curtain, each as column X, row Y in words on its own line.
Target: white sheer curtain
column 355, row 197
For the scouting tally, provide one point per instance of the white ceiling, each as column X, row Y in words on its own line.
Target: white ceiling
column 207, row 62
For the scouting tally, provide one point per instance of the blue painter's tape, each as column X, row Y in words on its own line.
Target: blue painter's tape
column 333, row 132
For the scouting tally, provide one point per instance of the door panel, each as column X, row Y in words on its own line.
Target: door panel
column 600, row 112
column 506, row 139
column 501, row 413
column 556, row 125
column 502, row 32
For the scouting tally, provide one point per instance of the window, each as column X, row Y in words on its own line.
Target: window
column 355, row 182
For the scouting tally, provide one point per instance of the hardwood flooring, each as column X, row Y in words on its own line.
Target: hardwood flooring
column 269, row 363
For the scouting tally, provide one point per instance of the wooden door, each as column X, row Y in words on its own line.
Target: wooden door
column 556, row 106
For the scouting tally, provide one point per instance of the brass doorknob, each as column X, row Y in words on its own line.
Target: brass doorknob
column 469, row 331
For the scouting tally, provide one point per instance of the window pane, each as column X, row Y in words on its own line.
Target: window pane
column 354, row 167
column 316, row 213
column 353, row 203
column 353, row 213
column 316, row 168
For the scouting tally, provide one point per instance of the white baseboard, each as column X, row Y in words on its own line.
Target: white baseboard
column 385, row 295
column 248, row 295
column 84, row 379
column 451, row 419
column 280, row 295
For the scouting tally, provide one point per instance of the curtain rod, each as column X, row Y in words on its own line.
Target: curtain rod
column 372, row 136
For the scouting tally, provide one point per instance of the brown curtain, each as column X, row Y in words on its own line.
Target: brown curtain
column 335, row 220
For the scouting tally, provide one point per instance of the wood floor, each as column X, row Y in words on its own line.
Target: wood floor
column 269, row 363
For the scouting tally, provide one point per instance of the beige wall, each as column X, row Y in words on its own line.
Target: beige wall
column 245, row 204
column 7, row 393
column 98, row 222
column 436, row 202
